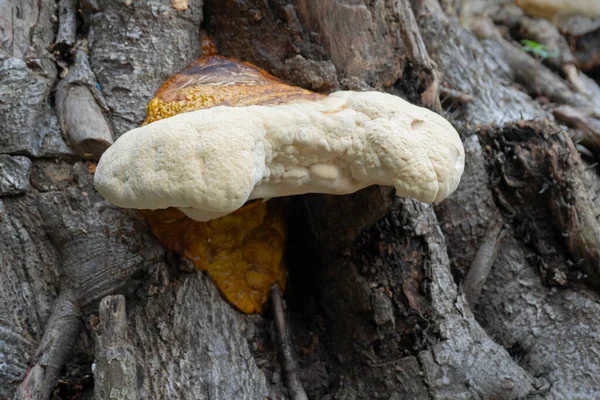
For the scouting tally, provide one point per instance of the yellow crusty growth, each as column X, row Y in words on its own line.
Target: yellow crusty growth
column 243, row 251
column 196, row 98
column 217, row 81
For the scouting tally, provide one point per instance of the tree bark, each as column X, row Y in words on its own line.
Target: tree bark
column 491, row 294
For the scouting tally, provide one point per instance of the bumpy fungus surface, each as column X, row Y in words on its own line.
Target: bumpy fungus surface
column 243, row 251
column 208, row 163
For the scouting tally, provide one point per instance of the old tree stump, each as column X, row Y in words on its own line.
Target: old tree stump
column 492, row 294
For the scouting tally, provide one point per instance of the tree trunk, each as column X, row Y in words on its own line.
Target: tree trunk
column 492, row 294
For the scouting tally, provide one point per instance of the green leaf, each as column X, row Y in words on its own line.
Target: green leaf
column 538, row 49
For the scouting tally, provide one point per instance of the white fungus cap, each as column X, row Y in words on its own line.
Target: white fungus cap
column 208, row 163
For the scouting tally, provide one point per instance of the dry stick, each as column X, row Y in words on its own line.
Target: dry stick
column 81, row 110
column 418, row 55
column 482, row 264
column 288, row 359
column 115, row 373
column 67, row 25
column 60, row 337
column 455, row 95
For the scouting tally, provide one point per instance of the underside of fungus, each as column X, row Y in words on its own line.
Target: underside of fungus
column 222, row 133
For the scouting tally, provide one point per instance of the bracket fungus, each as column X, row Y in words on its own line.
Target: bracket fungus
column 222, row 133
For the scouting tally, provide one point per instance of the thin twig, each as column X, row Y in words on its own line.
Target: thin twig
column 455, row 95
column 288, row 358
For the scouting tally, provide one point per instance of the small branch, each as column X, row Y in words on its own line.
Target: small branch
column 115, row 372
column 60, row 337
column 67, row 26
column 288, row 359
column 454, row 95
column 482, row 264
